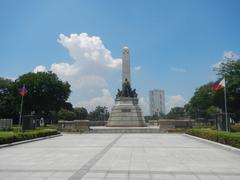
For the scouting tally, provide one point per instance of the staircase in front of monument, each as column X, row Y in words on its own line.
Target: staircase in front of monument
column 103, row 129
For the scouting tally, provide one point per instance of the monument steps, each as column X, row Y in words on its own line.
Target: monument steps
column 103, row 129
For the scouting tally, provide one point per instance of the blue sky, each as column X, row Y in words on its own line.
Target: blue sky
column 173, row 43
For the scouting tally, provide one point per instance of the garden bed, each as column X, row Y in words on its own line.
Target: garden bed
column 228, row 138
column 7, row 137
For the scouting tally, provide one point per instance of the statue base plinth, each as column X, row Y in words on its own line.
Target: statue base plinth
column 126, row 113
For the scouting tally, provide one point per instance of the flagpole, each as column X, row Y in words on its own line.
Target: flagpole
column 225, row 102
column 20, row 116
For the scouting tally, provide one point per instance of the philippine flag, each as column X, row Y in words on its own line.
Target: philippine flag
column 218, row 85
column 22, row 91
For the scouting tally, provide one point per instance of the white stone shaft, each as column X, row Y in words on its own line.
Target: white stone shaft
column 126, row 74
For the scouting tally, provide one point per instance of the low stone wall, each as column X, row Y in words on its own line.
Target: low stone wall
column 97, row 123
column 6, row 123
column 153, row 122
column 76, row 124
column 167, row 124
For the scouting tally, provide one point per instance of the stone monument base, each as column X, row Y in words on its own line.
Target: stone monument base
column 126, row 113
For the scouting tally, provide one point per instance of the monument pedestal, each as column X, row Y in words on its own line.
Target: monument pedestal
column 126, row 113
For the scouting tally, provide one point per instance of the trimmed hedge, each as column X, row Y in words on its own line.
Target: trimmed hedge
column 235, row 128
column 10, row 136
column 228, row 138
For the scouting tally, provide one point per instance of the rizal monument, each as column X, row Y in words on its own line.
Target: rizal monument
column 126, row 111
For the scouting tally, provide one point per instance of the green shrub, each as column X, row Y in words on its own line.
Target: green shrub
column 235, row 128
column 10, row 136
column 228, row 138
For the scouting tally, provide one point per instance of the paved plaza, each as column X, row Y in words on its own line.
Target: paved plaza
column 119, row 156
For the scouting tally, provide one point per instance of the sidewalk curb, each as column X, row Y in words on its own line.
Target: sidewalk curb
column 28, row 141
column 216, row 144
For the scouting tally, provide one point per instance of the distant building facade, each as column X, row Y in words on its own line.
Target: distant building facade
column 156, row 102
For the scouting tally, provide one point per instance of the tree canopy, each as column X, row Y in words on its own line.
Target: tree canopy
column 200, row 102
column 45, row 93
column 81, row 112
column 67, row 115
column 8, row 105
column 176, row 113
column 205, row 103
column 99, row 114
column 231, row 72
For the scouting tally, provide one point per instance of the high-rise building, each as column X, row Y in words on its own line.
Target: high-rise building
column 156, row 102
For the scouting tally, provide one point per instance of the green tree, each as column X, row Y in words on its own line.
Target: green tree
column 8, row 104
column 200, row 102
column 46, row 92
column 212, row 111
column 81, row 113
column 99, row 114
column 231, row 71
column 176, row 113
column 66, row 115
column 204, row 102
column 155, row 117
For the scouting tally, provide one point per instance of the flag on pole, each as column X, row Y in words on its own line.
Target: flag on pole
column 221, row 84
column 218, row 85
column 22, row 91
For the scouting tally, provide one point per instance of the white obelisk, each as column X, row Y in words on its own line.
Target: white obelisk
column 126, row 65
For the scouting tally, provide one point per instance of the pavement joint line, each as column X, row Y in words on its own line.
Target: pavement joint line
column 86, row 167
column 165, row 172
column 28, row 141
column 37, row 170
column 216, row 144
column 218, row 176
column 127, row 172
column 160, row 147
column 195, row 174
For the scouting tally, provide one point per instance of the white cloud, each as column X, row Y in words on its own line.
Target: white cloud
column 230, row 55
column 10, row 78
column 86, row 49
column 174, row 101
column 40, row 68
column 105, row 100
column 92, row 68
column 217, row 65
column 178, row 70
column 137, row 68
column 64, row 69
column 89, row 81
column 92, row 61
column 227, row 55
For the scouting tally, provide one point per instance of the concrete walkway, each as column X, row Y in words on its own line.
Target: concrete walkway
column 119, row 156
